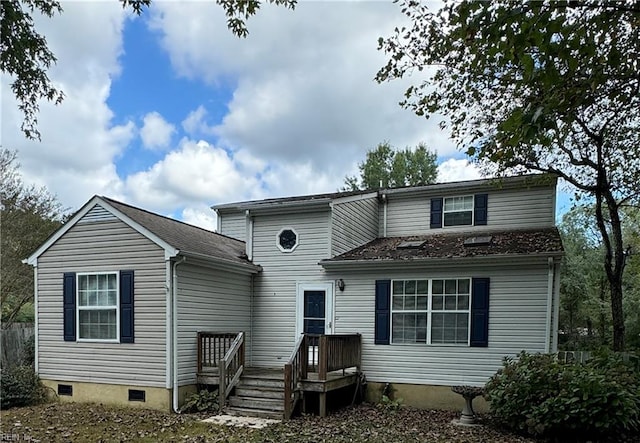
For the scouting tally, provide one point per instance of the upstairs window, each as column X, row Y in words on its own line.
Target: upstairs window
column 458, row 211
column 287, row 240
column 468, row 210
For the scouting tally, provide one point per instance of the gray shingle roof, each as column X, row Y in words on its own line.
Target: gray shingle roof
column 185, row 237
column 452, row 245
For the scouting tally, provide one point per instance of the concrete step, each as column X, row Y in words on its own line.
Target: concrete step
column 259, row 392
column 245, row 412
column 268, row 404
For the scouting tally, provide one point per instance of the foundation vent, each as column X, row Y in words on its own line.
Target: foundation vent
column 137, row 395
column 65, row 390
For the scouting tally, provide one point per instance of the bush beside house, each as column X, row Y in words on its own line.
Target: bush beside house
column 538, row 395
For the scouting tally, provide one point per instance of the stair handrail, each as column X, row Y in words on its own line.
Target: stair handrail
column 230, row 368
column 295, row 370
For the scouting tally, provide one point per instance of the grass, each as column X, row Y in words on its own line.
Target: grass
column 78, row 422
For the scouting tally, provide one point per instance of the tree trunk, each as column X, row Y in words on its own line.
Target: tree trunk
column 617, row 315
column 614, row 251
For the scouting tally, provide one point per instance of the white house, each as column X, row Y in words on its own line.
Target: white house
column 421, row 288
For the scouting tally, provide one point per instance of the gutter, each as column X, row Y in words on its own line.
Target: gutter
column 174, row 331
column 372, row 263
column 227, row 264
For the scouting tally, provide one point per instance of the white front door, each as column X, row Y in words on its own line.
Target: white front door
column 314, row 313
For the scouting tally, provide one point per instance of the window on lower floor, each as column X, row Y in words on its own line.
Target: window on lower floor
column 433, row 311
column 97, row 306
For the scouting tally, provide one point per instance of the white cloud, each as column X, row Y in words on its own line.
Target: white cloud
column 454, row 170
column 194, row 124
column 156, row 132
column 79, row 140
column 304, row 89
column 195, row 173
column 202, row 216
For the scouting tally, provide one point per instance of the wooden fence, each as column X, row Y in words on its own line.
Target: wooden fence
column 16, row 344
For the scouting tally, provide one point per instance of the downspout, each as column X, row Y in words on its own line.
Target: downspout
column 35, row 308
column 384, row 215
column 549, row 306
column 251, row 294
column 174, row 307
column 556, row 306
column 249, row 234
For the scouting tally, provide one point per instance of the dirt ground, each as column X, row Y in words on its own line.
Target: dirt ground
column 74, row 422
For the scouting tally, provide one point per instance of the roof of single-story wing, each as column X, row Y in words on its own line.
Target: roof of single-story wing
column 456, row 245
column 187, row 238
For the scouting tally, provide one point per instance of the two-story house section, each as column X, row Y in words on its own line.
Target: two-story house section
column 442, row 281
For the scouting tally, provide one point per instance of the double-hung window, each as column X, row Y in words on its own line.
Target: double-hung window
column 458, row 211
column 433, row 311
column 97, row 306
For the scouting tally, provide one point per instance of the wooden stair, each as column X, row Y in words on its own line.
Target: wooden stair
column 259, row 393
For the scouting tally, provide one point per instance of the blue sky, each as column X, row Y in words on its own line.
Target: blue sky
column 171, row 112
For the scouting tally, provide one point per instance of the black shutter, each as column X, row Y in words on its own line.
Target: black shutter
column 480, row 209
column 126, row 306
column 69, row 305
column 383, row 312
column 480, row 312
column 436, row 213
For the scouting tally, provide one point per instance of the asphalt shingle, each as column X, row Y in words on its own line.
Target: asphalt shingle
column 452, row 245
column 185, row 237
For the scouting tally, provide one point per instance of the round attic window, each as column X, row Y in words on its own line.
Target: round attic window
column 287, row 240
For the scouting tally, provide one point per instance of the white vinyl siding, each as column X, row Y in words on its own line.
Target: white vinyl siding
column 274, row 304
column 95, row 248
column 209, row 300
column 353, row 224
column 234, row 225
column 507, row 209
column 516, row 321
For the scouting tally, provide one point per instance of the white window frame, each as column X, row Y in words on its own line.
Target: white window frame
column 444, row 211
column 429, row 311
column 278, row 240
column 98, row 308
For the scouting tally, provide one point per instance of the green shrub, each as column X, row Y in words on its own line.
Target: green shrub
column 201, row 401
column 536, row 394
column 21, row 386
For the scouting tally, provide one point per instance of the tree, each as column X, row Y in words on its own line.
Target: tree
column 28, row 215
column 583, row 302
column 548, row 86
column 386, row 167
column 25, row 56
column 584, row 317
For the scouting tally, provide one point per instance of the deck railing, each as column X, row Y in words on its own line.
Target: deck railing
column 338, row 352
column 230, row 368
column 212, row 347
column 295, row 370
column 319, row 354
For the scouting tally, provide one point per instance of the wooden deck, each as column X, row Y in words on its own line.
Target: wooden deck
column 318, row 364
